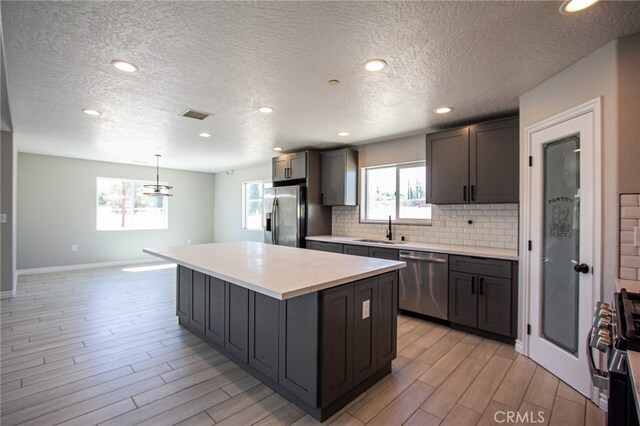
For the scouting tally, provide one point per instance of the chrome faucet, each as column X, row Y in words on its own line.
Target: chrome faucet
column 389, row 233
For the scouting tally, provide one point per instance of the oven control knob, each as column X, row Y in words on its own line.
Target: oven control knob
column 602, row 305
column 603, row 343
column 602, row 322
column 603, row 311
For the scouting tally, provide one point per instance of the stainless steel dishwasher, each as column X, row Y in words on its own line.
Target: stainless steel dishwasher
column 424, row 285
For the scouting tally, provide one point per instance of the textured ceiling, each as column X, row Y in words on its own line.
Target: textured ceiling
column 228, row 58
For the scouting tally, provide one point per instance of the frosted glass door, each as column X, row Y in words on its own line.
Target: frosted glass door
column 561, row 243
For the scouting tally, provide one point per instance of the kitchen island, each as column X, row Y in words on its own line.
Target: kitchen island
column 318, row 328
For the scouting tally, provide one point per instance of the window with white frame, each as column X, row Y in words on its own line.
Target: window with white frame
column 396, row 190
column 252, row 199
column 122, row 205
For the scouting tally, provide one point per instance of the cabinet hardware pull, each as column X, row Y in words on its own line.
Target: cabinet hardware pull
column 481, row 286
column 473, row 192
column 464, row 193
column 473, row 285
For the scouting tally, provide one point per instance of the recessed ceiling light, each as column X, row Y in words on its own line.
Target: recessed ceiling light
column 375, row 64
column 334, row 82
column 573, row 6
column 343, row 134
column 124, row 66
column 92, row 112
column 205, row 135
column 443, row 110
column 277, row 148
column 265, row 110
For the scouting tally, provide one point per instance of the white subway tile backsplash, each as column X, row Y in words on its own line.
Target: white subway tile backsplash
column 493, row 225
column 629, row 253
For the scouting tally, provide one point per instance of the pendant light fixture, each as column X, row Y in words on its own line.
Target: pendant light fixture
column 157, row 189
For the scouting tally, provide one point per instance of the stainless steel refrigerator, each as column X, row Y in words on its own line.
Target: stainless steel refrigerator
column 285, row 215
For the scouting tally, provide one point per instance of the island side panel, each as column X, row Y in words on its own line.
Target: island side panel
column 387, row 313
column 365, row 329
column 215, row 311
column 264, row 327
column 237, row 321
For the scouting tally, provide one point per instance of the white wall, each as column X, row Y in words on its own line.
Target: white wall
column 227, row 216
column 57, row 208
column 591, row 77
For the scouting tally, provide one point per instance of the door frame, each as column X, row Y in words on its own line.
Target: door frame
column 594, row 106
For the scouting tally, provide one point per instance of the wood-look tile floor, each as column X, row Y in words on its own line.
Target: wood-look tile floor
column 103, row 347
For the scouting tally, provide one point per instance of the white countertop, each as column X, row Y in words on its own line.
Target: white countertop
column 494, row 253
column 277, row 271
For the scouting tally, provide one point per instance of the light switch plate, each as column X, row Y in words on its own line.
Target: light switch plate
column 365, row 309
column 3, row 218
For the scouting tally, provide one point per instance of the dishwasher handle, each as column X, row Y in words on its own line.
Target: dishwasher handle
column 423, row 259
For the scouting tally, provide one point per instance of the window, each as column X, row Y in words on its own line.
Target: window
column 252, row 196
column 121, row 205
column 397, row 191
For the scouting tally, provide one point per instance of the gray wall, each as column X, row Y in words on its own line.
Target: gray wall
column 7, row 206
column 227, row 212
column 629, row 114
column 593, row 76
column 57, row 208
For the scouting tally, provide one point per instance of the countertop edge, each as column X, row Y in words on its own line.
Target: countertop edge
column 274, row 294
column 410, row 245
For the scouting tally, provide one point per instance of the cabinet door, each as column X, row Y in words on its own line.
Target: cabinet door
column 493, row 162
column 494, row 305
column 324, row 246
column 337, row 342
column 355, row 250
column 463, row 298
column 332, row 178
column 383, row 253
column 298, row 165
column 447, row 161
column 387, row 314
column 215, row 311
column 280, row 167
column 183, row 296
column 237, row 321
column 198, row 305
column 365, row 329
column 263, row 334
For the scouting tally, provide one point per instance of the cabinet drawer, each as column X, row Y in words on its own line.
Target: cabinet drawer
column 383, row 253
column 480, row 266
column 323, row 246
column 355, row 250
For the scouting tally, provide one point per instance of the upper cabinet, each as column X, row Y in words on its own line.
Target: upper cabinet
column 290, row 167
column 474, row 164
column 338, row 177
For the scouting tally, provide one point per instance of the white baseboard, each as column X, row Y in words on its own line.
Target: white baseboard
column 519, row 346
column 604, row 401
column 64, row 268
column 9, row 294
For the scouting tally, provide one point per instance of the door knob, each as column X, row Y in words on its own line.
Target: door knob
column 583, row 268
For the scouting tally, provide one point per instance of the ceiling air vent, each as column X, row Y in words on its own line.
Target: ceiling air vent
column 194, row 113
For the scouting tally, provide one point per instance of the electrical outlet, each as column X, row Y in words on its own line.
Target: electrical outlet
column 365, row 309
column 74, row 247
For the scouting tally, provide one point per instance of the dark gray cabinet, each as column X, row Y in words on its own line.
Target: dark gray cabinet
column 324, row 246
column 337, row 342
column 215, row 311
column 237, row 321
column 387, row 318
column 384, row 253
column 183, row 294
column 365, row 329
column 198, row 302
column 493, row 162
column 447, row 162
column 355, row 250
column 480, row 294
column 338, row 177
column 474, row 164
column 289, row 167
column 264, row 313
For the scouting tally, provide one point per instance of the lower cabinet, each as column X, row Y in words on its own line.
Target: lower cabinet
column 324, row 246
column 480, row 300
column 315, row 349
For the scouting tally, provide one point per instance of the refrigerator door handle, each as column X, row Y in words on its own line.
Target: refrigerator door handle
column 274, row 220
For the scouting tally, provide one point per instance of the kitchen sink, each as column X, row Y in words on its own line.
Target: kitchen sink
column 364, row 240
